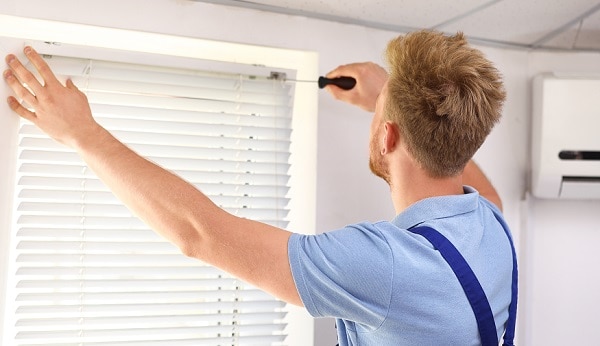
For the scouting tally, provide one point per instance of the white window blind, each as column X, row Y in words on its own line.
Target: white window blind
column 90, row 273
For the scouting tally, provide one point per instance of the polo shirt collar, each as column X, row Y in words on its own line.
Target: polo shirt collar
column 438, row 208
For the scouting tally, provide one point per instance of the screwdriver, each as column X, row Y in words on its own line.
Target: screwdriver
column 343, row 82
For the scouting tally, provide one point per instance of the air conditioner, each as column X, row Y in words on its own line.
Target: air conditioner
column 566, row 137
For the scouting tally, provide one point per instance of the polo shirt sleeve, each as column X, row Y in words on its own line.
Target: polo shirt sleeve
column 345, row 273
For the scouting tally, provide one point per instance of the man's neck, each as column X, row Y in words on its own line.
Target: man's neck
column 413, row 185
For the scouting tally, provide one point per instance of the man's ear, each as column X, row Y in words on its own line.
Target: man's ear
column 391, row 136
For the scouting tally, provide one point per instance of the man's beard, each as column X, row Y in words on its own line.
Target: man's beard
column 376, row 163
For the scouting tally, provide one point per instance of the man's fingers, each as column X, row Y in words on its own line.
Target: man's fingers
column 18, row 88
column 40, row 64
column 20, row 110
column 335, row 73
column 348, row 70
column 23, row 74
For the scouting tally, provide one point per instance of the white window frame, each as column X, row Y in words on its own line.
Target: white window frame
column 302, row 215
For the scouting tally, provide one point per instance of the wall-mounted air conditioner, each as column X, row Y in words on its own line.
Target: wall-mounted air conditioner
column 566, row 137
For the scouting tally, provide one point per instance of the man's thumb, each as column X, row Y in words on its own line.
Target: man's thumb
column 71, row 85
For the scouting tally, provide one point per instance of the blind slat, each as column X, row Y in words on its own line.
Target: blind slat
column 150, row 320
column 132, row 285
column 227, row 340
column 136, row 297
column 238, row 94
column 185, row 104
column 106, row 198
column 207, row 163
column 87, row 208
column 140, row 260
column 101, row 111
column 173, row 141
column 92, row 310
column 148, row 334
column 215, row 183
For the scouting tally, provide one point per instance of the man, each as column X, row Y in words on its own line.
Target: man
column 384, row 283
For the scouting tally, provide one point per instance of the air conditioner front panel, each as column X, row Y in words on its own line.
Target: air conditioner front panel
column 566, row 119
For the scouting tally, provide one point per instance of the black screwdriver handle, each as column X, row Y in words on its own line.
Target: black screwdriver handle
column 345, row 83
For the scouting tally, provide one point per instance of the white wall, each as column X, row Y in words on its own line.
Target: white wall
column 562, row 238
column 344, row 182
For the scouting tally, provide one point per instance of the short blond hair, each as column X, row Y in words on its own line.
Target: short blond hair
column 445, row 97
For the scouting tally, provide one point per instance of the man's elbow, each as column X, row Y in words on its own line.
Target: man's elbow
column 496, row 200
column 189, row 245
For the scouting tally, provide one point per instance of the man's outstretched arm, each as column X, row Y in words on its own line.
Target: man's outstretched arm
column 253, row 251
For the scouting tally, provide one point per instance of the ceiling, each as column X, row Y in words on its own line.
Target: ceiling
column 528, row 24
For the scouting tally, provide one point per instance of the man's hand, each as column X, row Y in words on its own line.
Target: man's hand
column 370, row 79
column 61, row 111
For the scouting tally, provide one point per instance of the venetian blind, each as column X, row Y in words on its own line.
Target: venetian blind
column 90, row 273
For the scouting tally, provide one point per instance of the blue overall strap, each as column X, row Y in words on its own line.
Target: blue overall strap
column 509, row 333
column 468, row 281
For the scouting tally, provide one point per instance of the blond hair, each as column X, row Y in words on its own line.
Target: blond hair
column 445, row 97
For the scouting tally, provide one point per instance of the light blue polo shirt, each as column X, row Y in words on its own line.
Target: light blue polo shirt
column 388, row 286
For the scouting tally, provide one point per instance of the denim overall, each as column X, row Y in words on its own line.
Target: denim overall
column 472, row 287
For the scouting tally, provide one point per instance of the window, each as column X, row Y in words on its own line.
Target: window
column 86, row 271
